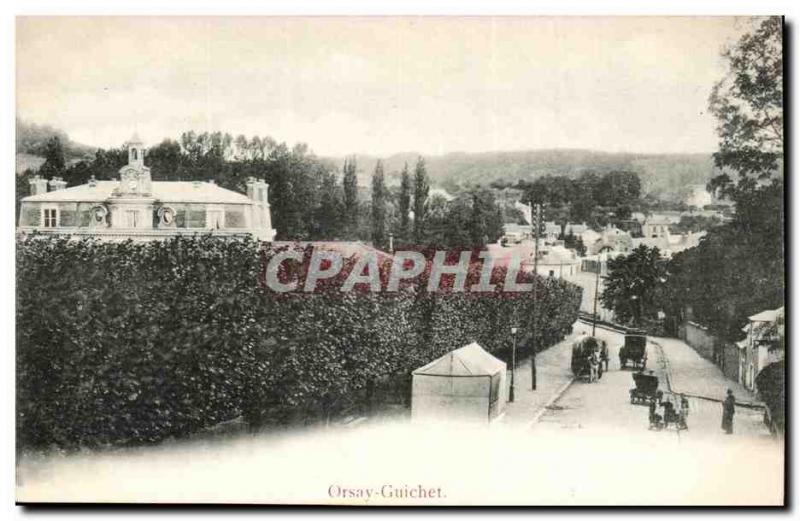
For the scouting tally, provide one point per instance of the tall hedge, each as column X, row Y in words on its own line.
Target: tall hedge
column 127, row 343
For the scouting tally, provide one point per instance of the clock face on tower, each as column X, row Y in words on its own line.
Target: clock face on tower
column 134, row 181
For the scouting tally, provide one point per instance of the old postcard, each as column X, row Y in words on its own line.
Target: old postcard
column 488, row 260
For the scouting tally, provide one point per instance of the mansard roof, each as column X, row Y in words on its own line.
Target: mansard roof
column 163, row 191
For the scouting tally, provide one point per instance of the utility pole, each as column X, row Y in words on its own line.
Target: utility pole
column 535, row 285
column 513, row 362
column 596, row 288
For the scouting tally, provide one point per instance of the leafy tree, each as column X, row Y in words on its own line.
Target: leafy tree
column 442, row 227
column 633, row 288
column 486, row 220
column 421, row 189
column 107, row 163
column 591, row 198
column 617, row 189
column 166, row 161
column 54, row 163
column 378, row 206
column 583, row 201
column 748, row 105
column 328, row 215
column 738, row 269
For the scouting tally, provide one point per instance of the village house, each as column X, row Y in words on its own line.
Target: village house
column 655, row 227
column 759, row 348
column 555, row 261
column 611, row 239
column 136, row 207
column 516, row 233
column 575, row 229
column 698, row 196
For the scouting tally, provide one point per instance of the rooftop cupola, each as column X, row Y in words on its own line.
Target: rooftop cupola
column 136, row 152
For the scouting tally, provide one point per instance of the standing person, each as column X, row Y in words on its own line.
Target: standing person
column 592, row 368
column 728, row 408
column 655, row 418
column 598, row 356
column 684, row 406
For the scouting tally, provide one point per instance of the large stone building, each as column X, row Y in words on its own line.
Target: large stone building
column 136, row 207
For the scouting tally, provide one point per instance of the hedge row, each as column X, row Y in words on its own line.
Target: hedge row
column 127, row 343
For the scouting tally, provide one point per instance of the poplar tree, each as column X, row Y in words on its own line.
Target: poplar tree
column 405, row 202
column 350, row 208
column 378, row 206
column 421, row 189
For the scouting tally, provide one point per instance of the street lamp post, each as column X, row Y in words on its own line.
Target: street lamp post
column 596, row 291
column 513, row 363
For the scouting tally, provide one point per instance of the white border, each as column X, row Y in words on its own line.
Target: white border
column 297, row 7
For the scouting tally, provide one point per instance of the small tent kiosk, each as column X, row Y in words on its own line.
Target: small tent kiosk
column 467, row 385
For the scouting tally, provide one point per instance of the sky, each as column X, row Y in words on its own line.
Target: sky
column 380, row 85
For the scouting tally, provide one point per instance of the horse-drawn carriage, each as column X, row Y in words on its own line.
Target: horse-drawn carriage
column 586, row 351
column 634, row 350
column 646, row 390
column 671, row 417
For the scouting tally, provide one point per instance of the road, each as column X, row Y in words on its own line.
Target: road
column 591, row 447
column 606, row 404
column 748, row 464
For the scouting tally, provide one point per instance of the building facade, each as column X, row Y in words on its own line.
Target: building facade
column 136, row 207
column 759, row 348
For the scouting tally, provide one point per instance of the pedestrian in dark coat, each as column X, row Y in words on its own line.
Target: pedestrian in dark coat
column 728, row 408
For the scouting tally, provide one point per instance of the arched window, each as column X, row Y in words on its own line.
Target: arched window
column 133, row 152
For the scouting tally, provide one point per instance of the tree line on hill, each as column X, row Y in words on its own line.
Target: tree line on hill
column 593, row 198
column 668, row 177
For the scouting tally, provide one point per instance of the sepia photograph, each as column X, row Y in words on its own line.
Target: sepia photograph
column 399, row 260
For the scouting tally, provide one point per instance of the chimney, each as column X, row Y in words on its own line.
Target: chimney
column 263, row 192
column 251, row 188
column 38, row 185
column 57, row 183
